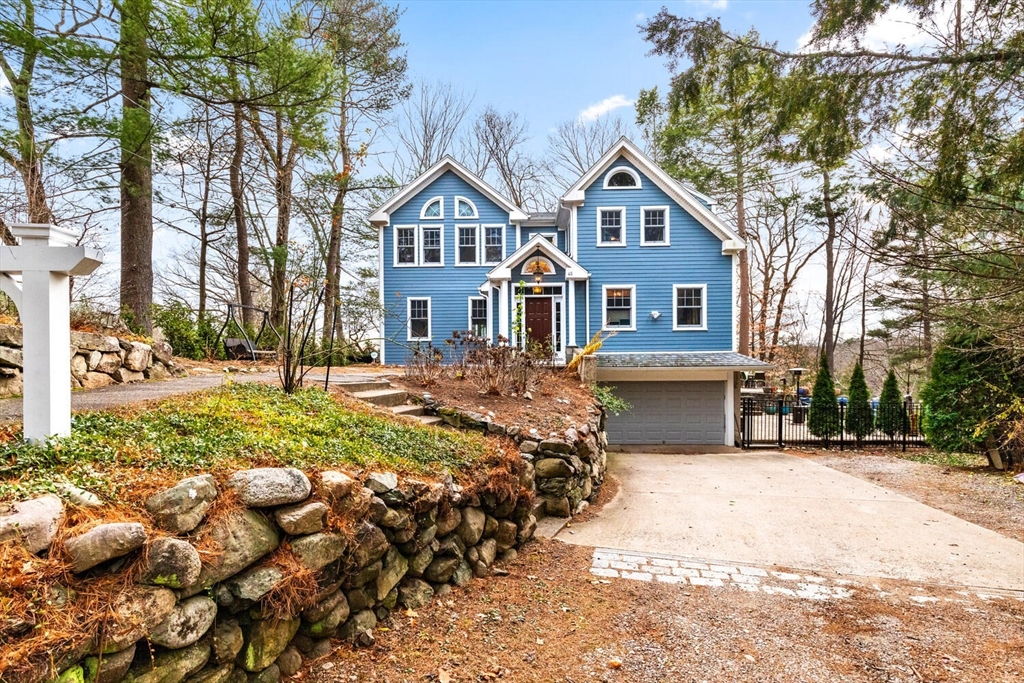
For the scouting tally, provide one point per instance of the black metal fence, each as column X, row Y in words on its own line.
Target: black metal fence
column 778, row 422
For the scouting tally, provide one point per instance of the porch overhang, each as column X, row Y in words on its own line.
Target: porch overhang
column 674, row 366
column 503, row 271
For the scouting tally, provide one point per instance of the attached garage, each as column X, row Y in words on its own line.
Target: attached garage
column 669, row 413
column 681, row 398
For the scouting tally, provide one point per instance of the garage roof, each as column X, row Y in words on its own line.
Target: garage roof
column 709, row 360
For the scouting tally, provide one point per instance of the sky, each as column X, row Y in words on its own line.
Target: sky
column 556, row 61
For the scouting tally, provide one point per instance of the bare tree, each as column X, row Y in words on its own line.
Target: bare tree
column 782, row 247
column 503, row 137
column 429, row 125
column 576, row 145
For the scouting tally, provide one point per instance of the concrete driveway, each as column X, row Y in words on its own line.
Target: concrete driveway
column 775, row 509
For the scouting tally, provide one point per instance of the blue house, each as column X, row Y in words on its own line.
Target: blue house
column 630, row 251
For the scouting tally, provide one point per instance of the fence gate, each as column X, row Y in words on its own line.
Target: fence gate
column 767, row 421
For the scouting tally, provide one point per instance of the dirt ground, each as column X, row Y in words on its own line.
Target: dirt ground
column 550, row 620
column 558, row 402
column 971, row 491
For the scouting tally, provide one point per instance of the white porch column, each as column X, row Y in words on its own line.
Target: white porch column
column 730, row 408
column 503, row 310
column 571, row 312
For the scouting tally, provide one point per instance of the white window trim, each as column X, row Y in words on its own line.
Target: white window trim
column 408, row 319
column 464, row 200
column 622, row 169
column 676, row 327
column 483, row 243
column 419, row 247
column 622, row 213
column 423, row 211
column 604, row 308
column 643, row 241
column 479, row 246
column 415, row 247
column 469, row 313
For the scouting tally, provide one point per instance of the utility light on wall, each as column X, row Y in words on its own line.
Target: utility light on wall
column 655, row 315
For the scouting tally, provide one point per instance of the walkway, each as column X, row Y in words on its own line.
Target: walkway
column 772, row 509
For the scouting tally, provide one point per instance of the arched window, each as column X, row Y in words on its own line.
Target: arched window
column 622, row 178
column 465, row 208
column 538, row 265
column 433, row 208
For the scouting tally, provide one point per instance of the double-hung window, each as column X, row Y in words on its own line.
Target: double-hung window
column 611, row 226
column 419, row 319
column 478, row 316
column 689, row 307
column 431, row 246
column 654, row 226
column 405, row 245
column 494, row 243
column 467, row 251
column 619, row 307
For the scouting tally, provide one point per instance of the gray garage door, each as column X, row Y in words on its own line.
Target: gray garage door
column 669, row 413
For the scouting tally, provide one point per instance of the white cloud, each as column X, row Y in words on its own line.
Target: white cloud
column 639, row 16
column 897, row 26
column 596, row 111
column 709, row 4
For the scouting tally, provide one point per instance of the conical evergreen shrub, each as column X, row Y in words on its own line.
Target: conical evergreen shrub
column 859, row 420
column 890, row 407
column 823, row 419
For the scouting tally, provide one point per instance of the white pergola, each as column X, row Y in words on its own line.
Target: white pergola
column 36, row 275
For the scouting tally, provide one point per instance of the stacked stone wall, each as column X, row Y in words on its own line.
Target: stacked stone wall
column 345, row 552
column 97, row 360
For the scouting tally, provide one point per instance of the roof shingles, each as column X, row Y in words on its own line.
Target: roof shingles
column 694, row 359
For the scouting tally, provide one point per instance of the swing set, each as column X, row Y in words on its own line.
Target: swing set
column 239, row 348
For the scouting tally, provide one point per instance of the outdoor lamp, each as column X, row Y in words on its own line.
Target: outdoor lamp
column 655, row 315
column 538, row 278
column 796, row 373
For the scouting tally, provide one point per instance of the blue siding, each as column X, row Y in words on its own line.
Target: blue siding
column 450, row 287
column 694, row 257
column 526, row 233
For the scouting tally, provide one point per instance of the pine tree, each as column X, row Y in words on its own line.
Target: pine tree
column 823, row 420
column 859, row 420
column 890, row 407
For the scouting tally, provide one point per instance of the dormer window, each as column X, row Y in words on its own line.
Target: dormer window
column 465, row 208
column 622, row 178
column 433, row 208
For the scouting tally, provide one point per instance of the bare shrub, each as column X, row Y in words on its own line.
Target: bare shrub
column 426, row 365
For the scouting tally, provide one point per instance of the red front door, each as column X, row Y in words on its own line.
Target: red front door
column 538, row 319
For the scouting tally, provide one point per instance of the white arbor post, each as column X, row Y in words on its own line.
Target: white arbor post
column 36, row 275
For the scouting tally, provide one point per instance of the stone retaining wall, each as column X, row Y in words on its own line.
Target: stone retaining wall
column 198, row 617
column 96, row 361
column 567, row 468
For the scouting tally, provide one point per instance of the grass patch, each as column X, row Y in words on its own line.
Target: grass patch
column 117, row 454
column 930, row 457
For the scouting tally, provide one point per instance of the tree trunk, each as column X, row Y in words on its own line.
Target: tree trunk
column 284, row 167
column 744, row 264
column 136, row 165
column 238, row 206
column 829, row 338
column 864, row 311
column 334, row 240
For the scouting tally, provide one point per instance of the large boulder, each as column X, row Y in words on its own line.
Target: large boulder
column 135, row 613
column 213, row 674
column 95, row 380
column 10, row 335
column 270, row 486
column 103, row 543
column 163, row 352
column 358, row 624
column 254, row 583
column 289, row 662
column 505, row 535
column 395, row 567
column 419, row 562
column 448, row 521
column 126, row 376
column 227, row 641
column 553, row 467
column 110, row 668
column 189, row 622
column 414, row 593
column 327, row 626
column 371, row 544
column 242, row 537
column 337, row 485
column 316, row 551
column 170, row 666
column 171, row 562
column 79, row 366
column 11, row 358
column 325, row 607
column 471, row 529
column 265, row 640
column 138, row 356
column 305, row 518
column 381, row 482
column 35, row 522
column 109, row 363
column 441, row 569
column 181, row 508
column 95, row 342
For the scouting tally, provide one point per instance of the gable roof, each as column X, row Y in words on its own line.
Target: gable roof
column 382, row 216
column 731, row 241
column 573, row 270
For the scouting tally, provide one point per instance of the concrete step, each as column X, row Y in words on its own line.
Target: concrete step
column 383, row 397
column 408, row 409
column 429, row 419
column 362, row 385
